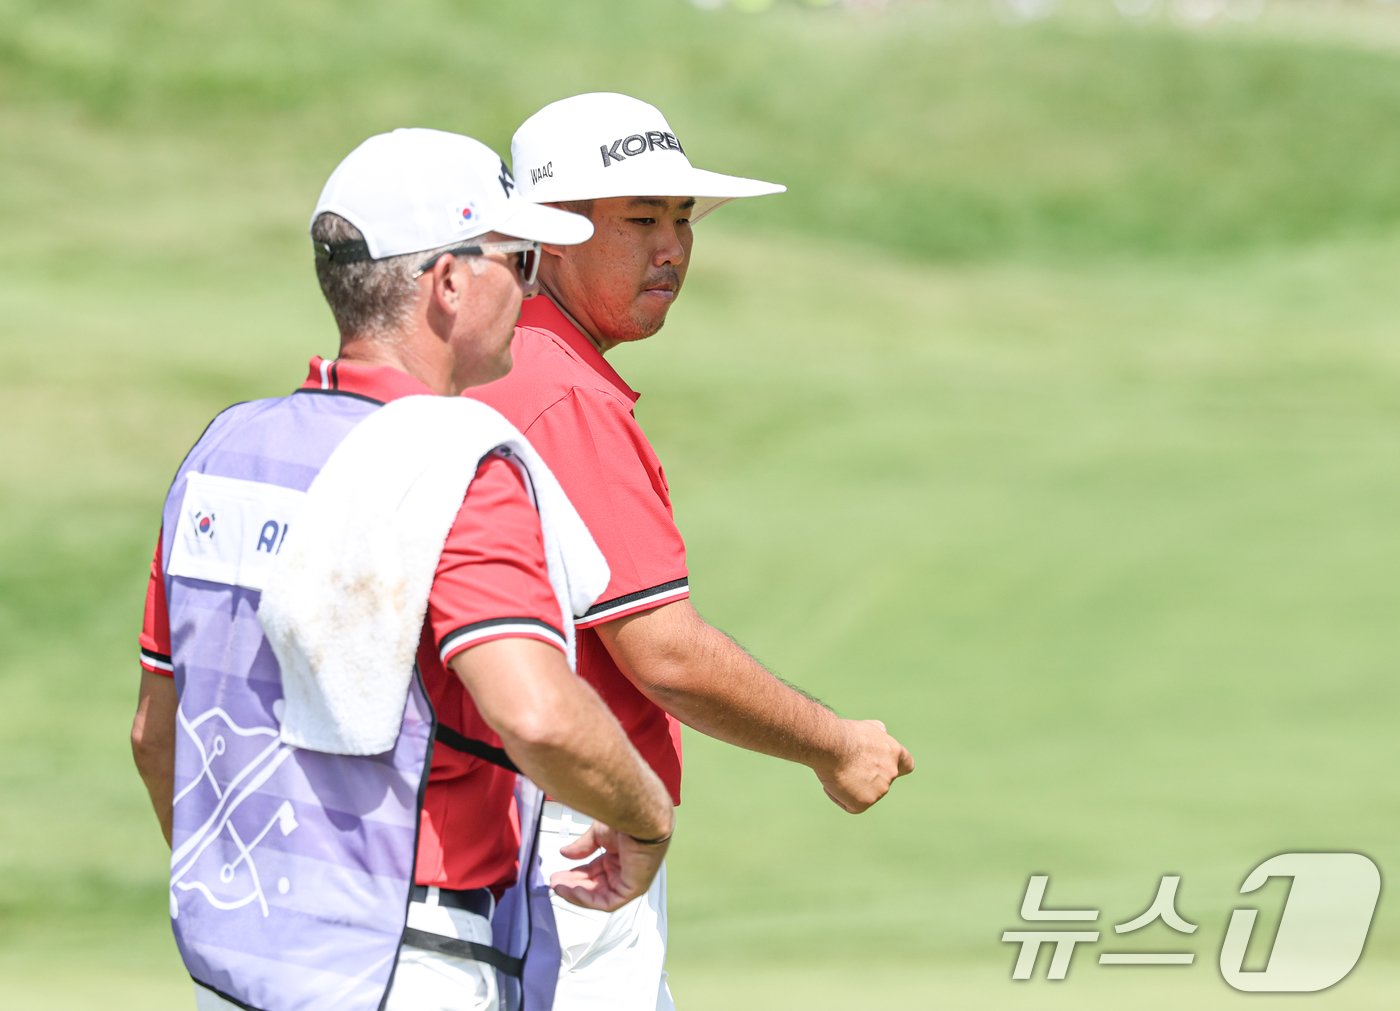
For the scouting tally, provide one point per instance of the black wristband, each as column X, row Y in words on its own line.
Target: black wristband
column 652, row 842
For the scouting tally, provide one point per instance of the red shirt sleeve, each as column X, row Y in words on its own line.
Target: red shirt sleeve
column 613, row 478
column 492, row 581
column 155, row 625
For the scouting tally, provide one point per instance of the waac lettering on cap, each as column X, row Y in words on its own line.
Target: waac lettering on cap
column 545, row 171
column 638, row 143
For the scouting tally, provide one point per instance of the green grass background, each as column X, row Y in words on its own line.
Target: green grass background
column 1051, row 417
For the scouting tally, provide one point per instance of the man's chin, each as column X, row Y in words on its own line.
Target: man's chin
column 484, row 373
column 504, row 364
column 648, row 326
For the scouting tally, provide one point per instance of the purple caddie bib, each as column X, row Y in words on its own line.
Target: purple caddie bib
column 291, row 869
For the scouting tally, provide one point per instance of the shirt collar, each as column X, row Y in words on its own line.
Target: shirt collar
column 375, row 382
column 541, row 313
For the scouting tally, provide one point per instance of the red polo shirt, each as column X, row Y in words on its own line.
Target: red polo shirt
column 491, row 583
column 577, row 412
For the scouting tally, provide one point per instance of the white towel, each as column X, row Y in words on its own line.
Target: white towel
column 344, row 604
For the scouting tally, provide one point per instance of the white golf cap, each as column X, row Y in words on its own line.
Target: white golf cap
column 608, row 145
column 417, row 189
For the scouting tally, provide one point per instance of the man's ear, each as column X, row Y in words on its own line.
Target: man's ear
column 446, row 281
column 444, row 294
column 552, row 250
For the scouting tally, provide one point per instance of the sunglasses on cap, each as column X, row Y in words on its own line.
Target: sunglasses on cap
column 527, row 257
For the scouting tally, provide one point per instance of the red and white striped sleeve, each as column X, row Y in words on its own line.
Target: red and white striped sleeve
column 155, row 625
column 613, row 478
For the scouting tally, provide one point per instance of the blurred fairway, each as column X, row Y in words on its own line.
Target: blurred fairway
column 1051, row 417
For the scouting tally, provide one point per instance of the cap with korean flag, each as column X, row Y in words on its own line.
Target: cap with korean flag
column 608, row 145
column 417, row 189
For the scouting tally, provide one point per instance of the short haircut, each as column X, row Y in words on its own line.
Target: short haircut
column 367, row 297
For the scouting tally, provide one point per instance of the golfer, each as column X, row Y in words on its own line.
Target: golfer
column 324, row 854
column 651, row 656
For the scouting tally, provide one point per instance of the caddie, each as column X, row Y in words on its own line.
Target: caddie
column 651, row 656
column 348, row 644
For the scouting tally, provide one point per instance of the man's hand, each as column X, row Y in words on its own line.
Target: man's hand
column 623, row 871
column 870, row 760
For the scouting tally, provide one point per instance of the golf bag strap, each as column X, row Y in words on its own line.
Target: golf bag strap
column 458, row 741
column 464, row 949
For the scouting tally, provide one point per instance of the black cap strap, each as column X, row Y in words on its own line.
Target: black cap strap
column 342, row 252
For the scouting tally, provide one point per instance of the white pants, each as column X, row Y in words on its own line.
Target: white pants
column 611, row 961
column 426, row 980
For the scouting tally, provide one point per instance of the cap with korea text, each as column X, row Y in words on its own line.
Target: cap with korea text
column 608, row 145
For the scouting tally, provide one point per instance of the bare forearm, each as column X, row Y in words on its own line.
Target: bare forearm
column 749, row 707
column 710, row 683
column 592, row 768
column 153, row 744
column 160, row 787
column 561, row 735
